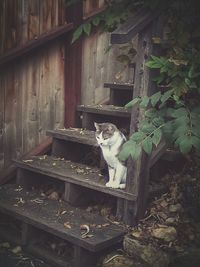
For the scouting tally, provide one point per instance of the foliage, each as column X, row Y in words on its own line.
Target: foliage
column 173, row 112
column 116, row 12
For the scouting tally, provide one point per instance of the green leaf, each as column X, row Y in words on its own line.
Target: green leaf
column 155, row 98
column 87, row 28
column 147, row 128
column 158, row 121
column 196, row 130
column 185, row 145
column 96, row 21
column 152, row 64
column 157, row 137
column 151, row 113
column 138, row 136
column 181, row 112
column 166, row 95
column 196, row 142
column 145, row 102
column 187, row 81
column 136, row 151
column 133, row 102
column 77, row 33
column 147, row 145
column 126, row 150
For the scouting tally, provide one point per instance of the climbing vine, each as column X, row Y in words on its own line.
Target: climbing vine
column 173, row 112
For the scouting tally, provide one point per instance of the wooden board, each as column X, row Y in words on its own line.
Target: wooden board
column 119, row 86
column 47, row 216
column 134, row 25
column 75, row 135
column 72, row 172
column 105, row 110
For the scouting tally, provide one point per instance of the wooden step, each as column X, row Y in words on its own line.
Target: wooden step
column 105, row 110
column 120, row 116
column 135, row 24
column 77, row 135
column 61, row 220
column 71, row 172
column 119, row 86
column 120, row 93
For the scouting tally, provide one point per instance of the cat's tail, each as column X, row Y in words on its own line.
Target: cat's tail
column 122, row 186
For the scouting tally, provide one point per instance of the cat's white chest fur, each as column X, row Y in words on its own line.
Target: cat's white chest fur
column 111, row 150
column 110, row 139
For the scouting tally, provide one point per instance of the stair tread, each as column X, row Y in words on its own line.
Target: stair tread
column 105, row 109
column 51, row 215
column 75, row 135
column 72, row 172
column 119, row 86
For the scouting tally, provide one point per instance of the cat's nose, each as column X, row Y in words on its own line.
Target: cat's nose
column 101, row 144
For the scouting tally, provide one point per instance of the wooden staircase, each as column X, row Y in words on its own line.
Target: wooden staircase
column 75, row 165
column 69, row 164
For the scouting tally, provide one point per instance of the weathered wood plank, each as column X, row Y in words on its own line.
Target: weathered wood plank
column 44, row 216
column 83, row 258
column 134, row 25
column 30, row 46
column 52, row 258
column 73, row 67
column 75, row 135
column 119, row 86
column 138, row 171
column 10, row 114
column 105, row 110
column 10, row 172
column 71, row 172
column 2, row 130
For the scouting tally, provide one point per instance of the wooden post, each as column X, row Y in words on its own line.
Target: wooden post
column 138, row 171
column 73, row 64
column 24, row 234
column 83, row 258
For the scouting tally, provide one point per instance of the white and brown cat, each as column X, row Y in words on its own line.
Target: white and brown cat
column 110, row 140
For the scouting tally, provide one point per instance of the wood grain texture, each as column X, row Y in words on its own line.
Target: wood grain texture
column 32, row 87
column 46, row 218
column 68, row 171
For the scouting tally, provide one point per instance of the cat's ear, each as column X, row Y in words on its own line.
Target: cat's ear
column 110, row 128
column 96, row 125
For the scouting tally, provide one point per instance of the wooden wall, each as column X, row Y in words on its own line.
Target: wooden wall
column 31, row 88
column 99, row 66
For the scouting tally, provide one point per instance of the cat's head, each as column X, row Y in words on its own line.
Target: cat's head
column 105, row 133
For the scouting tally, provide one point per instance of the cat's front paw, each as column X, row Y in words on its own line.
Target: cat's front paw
column 115, row 185
column 109, row 184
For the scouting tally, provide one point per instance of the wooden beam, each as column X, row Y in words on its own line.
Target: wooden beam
column 39, row 41
column 73, row 67
column 134, row 25
column 138, row 171
column 42, row 148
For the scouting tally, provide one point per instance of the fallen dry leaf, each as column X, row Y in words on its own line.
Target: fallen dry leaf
column 27, row 160
column 16, row 250
column 67, row 225
column 86, row 228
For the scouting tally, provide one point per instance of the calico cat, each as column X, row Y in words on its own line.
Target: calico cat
column 110, row 140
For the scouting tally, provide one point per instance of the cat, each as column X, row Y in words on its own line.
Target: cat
column 110, row 140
